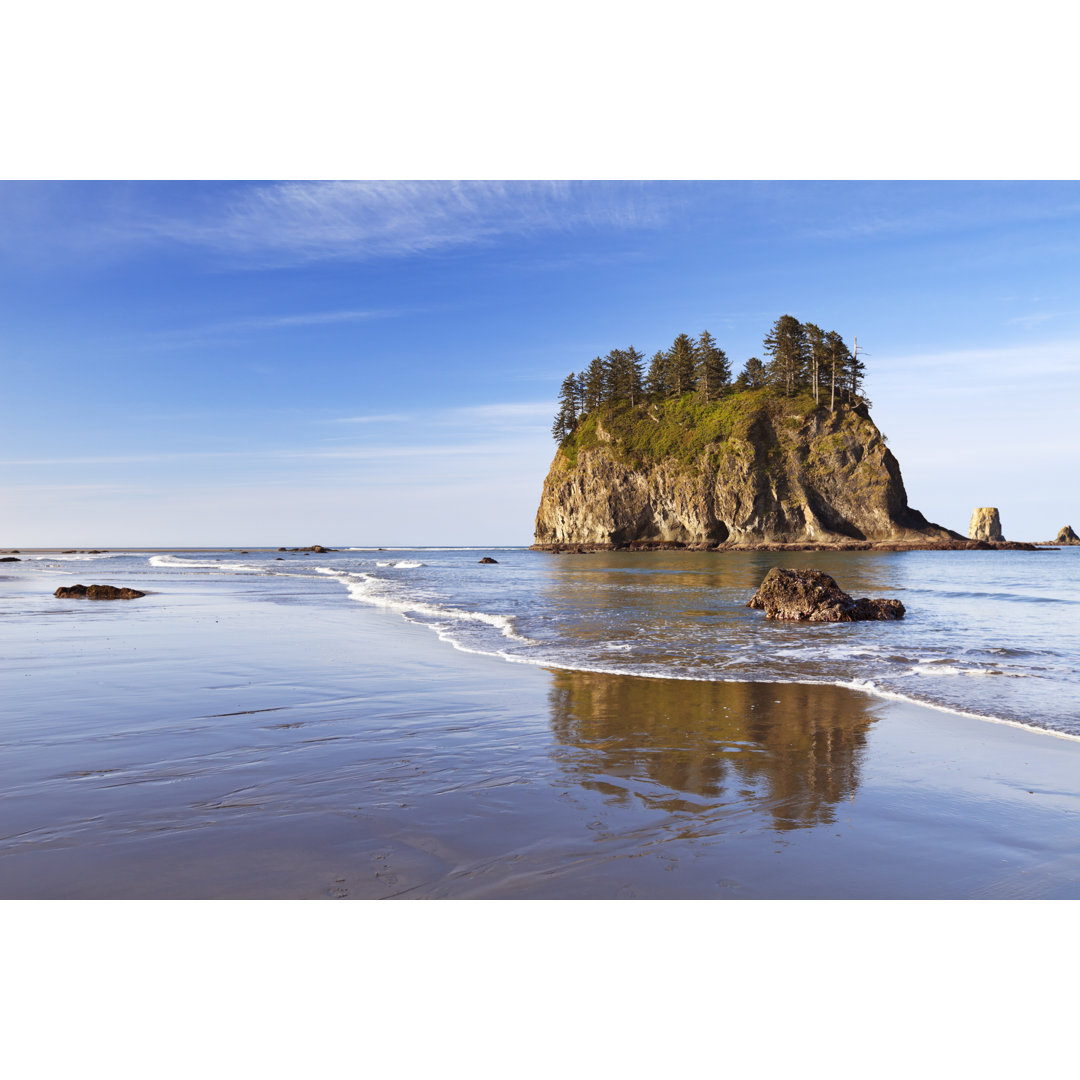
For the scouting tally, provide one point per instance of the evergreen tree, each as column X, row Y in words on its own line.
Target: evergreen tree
column 786, row 344
column 633, row 379
column 753, row 375
column 569, row 401
column 817, row 350
column 681, row 362
column 596, row 385
column 839, row 359
column 712, row 368
column 657, row 382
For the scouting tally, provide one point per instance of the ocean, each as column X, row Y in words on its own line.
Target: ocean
column 410, row 722
column 994, row 634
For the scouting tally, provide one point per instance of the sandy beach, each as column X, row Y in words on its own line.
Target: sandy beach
column 217, row 745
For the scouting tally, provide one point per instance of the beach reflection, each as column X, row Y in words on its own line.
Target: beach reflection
column 790, row 752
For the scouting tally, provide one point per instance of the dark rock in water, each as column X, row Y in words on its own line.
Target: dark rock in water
column 10, row 558
column 96, row 592
column 283, row 549
column 487, row 559
column 814, row 596
column 70, row 551
column 1067, row 536
column 279, row 559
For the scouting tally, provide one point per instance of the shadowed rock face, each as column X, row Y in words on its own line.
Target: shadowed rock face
column 1067, row 536
column 814, row 596
column 96, row 592
column 763, row 473
column 985, row 524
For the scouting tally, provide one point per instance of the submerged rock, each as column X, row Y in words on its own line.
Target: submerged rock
column 488, row 559
column 814, row 596
column 1067, row 536
column 96, row 592
column 985, row 524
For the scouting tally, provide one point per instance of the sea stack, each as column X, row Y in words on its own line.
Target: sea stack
column 1067, row 536
column 985, row 524
column 754, row 467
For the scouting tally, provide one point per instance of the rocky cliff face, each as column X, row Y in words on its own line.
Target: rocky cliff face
column 985, row 524
column 754, row 468
column 1067, row 536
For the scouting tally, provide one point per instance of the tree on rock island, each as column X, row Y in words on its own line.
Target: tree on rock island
column 802, row 358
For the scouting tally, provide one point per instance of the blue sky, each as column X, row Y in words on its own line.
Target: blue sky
column 377, row 362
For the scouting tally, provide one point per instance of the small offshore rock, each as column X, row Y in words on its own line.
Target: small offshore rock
column 985, row 524
column 10, row 558
column 1067, row 536
column 488, row 559
column 814, row 596
column 96, row 592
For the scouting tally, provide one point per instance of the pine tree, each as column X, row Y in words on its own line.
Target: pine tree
column 657, row 382
column 567, row 417
column 633, row 378
column 596, row 385
column 817, row 352
column 753, row 375
column 786, row 344
column 712, row 369
column 839, row 359
column 681, row 360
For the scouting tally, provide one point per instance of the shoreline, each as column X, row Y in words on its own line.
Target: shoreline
column 222, row 745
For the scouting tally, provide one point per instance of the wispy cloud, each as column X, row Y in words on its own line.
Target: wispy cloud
column 383, row 418
column 305, row 222
column 506, row 410
column 1034, row 319
column 874, row 210
column 970, row 368
column 203, row 333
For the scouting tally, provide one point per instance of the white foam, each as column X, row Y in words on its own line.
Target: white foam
column 174, row 562
column 79, row 558
column 368, row 589
column 949, row 669
column 399, row 564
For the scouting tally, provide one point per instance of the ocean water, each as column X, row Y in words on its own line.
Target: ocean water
column 992, row 634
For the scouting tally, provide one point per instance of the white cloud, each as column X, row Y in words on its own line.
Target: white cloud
column 384, row 418
column 304, row 222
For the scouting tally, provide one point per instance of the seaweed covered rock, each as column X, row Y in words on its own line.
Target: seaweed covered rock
column 488, row 559
column 96, row 592
column 814, row 596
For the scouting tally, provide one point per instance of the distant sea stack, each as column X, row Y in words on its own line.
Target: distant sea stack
column 1067, row 537
column 755, row 466
column 985, row 524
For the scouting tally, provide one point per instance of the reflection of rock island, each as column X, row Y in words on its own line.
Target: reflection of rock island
column 790, row 751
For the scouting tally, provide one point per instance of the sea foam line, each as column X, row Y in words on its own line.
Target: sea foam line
column 176, row 563
column 359, row 587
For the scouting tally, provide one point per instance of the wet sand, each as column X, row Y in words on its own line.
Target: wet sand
column 215, row 745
